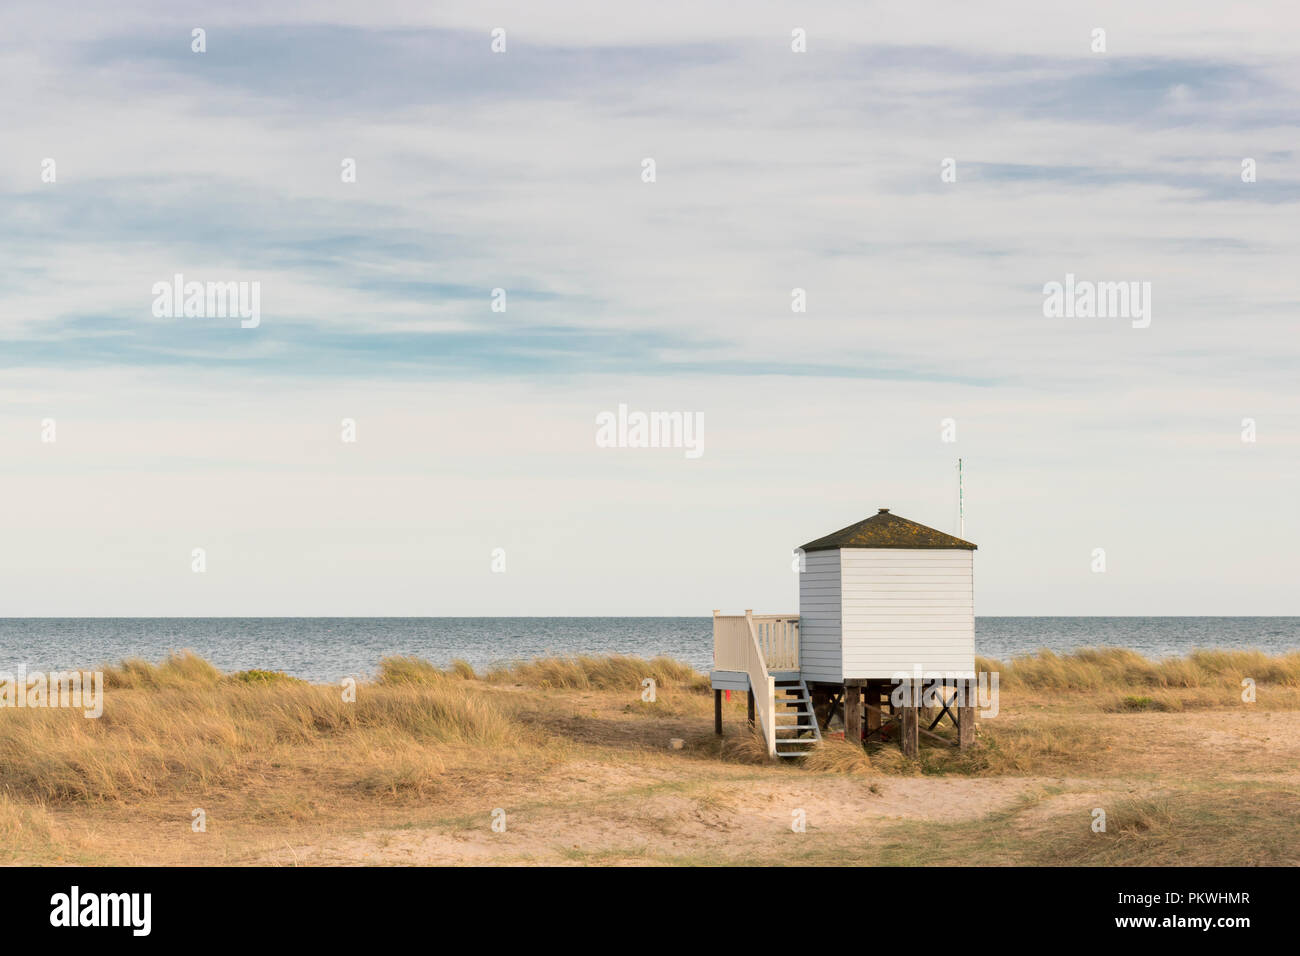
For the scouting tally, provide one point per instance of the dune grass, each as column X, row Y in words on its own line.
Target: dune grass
column 281, row 755
column 583, row 672
column 399, row 671
column 180, row 726
column 181, row 723
column 462, row 669
column 1109, row 668
column 257, row 676
column 20, row 822
column 180, row 669
column 1048, row 744
column 837, row 755
column 599, row 673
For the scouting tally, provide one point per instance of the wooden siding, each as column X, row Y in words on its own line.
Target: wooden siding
column 903, row 609
column 820, row 657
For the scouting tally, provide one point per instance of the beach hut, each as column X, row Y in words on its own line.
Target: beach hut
column 886, row 624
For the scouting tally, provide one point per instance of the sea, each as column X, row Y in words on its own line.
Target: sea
column 327, row 649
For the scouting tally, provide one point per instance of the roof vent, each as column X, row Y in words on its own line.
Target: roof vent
column 883, row 511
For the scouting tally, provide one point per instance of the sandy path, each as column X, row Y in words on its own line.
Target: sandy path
column 725, row 820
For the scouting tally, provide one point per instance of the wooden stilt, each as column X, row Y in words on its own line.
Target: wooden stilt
column 717, row 712
column 749, row 694
column 966, row 717
column 853, row 711
column 921, row 731
column 873, row 708
column 912, row 722
column 822, row 706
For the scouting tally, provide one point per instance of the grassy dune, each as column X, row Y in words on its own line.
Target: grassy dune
column 184, row 725
column 1113, row 668
column 289, row 772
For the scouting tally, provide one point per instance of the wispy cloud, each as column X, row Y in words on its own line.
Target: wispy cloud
column 775, row 172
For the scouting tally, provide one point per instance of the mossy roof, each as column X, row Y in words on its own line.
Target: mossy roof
column 885, row 530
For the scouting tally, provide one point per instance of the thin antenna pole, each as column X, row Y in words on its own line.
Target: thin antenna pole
column 961, row 502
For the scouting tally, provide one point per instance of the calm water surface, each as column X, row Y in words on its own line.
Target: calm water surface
column 327, row 649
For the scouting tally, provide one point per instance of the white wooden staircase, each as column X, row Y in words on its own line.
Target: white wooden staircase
column 796, row 724
column 763, row 652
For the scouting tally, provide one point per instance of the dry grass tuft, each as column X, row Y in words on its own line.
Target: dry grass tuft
column 615, row 672
column 23, row 823
column 182, row 669
column 1171, row 702
column 256, row 676
column 462, row 669
column 887, row 758
column 395, row 671
column 746, row 747
column 836, row 755
column 1046, row 745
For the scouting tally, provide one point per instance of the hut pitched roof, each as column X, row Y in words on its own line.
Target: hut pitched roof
column 885, row 530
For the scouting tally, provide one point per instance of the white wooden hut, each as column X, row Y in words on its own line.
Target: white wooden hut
column 886, row 596
column 883, row 605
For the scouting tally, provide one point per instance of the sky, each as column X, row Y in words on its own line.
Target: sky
column 920, row 171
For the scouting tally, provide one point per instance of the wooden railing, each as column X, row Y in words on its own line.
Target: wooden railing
column 778, row 638
column 763, row 686
column 730, row 641
column 758, row 644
